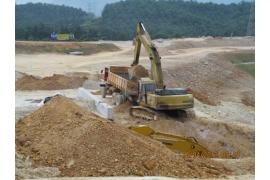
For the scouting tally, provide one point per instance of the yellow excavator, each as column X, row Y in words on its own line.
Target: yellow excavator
column 149, row 94
column 153, row 94
column 184, row 145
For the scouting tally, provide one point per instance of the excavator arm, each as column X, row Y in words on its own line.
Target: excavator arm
column 142, row 37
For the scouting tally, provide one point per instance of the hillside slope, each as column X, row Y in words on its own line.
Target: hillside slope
column 169, row 19
column 163, row 19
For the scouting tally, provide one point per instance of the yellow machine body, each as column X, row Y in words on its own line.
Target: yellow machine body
column 167, row 99
column 170, row 102
column 185, row 145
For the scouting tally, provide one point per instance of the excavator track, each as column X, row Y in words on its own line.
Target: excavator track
column 143, row 113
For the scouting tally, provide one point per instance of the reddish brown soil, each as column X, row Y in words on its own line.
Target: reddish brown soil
column 55, row 82
column 61, row 134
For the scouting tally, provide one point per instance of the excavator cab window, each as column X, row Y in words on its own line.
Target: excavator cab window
column 146, row 88
column 149, row 87
column 170, row 92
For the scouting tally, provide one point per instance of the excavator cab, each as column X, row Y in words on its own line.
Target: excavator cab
column 146, row 86
column 163, row 99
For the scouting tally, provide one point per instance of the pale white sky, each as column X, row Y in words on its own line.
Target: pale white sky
column 96, row 6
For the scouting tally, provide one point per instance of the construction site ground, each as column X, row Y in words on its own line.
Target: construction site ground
column 223, row 118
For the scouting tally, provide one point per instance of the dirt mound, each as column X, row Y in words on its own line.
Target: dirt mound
column 19, row 75
column 248, row 98
column 239, row 166
column 25, row 170
column 211, row 42
column 31, row 47
column 63, row 135
column 212, row 80
column 136, row 72
column 55, row 82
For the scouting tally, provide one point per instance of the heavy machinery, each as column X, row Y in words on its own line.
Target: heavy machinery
column 179, row 144
column 149, row 94
column 183, row 145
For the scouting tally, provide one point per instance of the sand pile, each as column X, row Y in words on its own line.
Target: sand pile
column 63, row 135
column 136, row 72
column 55, row 82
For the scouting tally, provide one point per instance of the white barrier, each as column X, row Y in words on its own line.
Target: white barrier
column 101, row 108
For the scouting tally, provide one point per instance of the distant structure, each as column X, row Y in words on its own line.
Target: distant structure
column 62, row 37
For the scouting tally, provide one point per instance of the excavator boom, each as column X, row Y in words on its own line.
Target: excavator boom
column 143, row 38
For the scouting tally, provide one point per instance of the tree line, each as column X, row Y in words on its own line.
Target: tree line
column 162, row 18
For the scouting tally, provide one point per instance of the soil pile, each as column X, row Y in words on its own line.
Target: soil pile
column 63, row 135
column 212, row 80
column 136, row 72
column 30, row 47
column 19, row 75
column 55, row 82
column 211, row 42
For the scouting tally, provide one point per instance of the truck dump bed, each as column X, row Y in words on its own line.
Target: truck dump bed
column 118, row 77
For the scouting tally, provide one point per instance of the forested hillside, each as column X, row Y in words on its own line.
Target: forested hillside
column 96, row 6
column 163, row 19
column 37, row 21
column 167, row 19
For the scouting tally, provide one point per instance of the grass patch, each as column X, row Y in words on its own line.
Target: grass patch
column 238, row 58
column 250, row 68
column 63, row 47
column 243, row 60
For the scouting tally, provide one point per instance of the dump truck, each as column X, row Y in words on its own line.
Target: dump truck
column 148, row 94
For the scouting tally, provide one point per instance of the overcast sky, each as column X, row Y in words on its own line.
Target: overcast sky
column 96, row 6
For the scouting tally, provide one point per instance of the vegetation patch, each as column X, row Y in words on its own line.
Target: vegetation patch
column 163, row 19
column 244, row 61
column 238, row 58
column 63, row 47
column 250, row 68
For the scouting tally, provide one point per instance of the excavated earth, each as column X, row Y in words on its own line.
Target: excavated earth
column 213, row 79
column 61, row 139
column 138, row 71
column 55, row 82
column 63, row 135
